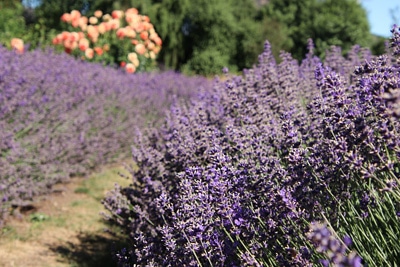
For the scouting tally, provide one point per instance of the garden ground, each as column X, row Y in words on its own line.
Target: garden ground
column 64, row 228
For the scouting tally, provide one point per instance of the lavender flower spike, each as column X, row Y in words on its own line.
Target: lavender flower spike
column 334, row 249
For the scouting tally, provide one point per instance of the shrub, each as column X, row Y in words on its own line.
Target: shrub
column 206, row 62
column 236, row 177
column 124, row 38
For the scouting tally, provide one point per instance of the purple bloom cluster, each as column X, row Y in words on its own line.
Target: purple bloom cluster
column 335, row 249
column 392, row 91
column 234, row 177
column 60, row 117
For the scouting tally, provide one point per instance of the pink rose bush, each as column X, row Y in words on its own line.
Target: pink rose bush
column 125, row 38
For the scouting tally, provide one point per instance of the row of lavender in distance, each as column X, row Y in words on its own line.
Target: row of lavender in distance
column 61, row 117
column 236, row 177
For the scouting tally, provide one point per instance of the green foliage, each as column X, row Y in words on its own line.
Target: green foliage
column 205, row 62
column 51, row 11
column 192, row 31
column 375, row 237
column 370, row 216
column 277, row 35
column 38, row 217
column 12, row 22
column 235, row 30
column 107, row 6
column 82, row 190
column 378, row 45
column 17, row 21
column 44, row 20
column 169, row 19
column 340, row 22
column 212, row 33
column 227, row 30
column 295, row 17
column 232, row 31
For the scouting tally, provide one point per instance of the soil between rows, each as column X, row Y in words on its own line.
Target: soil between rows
column 66, row 228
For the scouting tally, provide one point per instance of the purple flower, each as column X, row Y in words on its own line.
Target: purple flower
column 332, row 248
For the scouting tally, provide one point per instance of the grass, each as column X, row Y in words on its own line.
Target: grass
column 38, row 217
column 82, row 190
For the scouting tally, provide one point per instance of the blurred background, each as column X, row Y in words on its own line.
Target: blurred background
column 203, row 36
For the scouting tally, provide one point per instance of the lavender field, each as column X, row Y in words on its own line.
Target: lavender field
column 60, row 117
column 291, row 164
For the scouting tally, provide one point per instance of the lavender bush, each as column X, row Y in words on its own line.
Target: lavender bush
column 60, row 117
column 335, row 249
column 236, row 177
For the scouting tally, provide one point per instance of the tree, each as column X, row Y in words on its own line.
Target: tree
column 172, row 23
column 328, row 22
column 341, row 23
column 12, row 23
column 296, row 18
column 199, row 36
column 51, row 10
column 203, row 36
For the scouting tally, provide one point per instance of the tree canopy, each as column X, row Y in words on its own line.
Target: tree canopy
column 341, row 23
column 202, row 36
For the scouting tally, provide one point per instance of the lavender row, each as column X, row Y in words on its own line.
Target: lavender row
column 61, row 117
column 236, row 177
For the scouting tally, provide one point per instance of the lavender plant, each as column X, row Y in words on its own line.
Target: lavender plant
column 335, row 249
column 236, row 177
column 61, row 117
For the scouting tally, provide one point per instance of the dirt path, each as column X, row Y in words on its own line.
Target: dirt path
column 64, row 229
